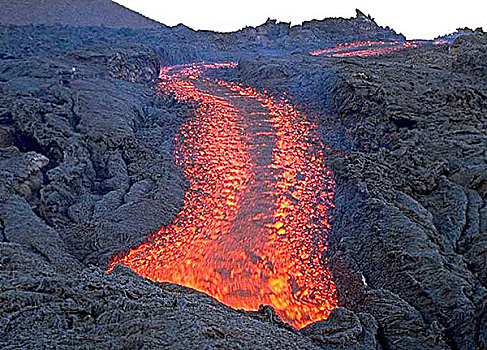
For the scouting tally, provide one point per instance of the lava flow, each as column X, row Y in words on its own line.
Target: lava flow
column 254, row 224
column 374, row 47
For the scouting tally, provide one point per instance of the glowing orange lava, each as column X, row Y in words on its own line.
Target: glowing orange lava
column 343, row 47
column 374, row 47
column 254, row 224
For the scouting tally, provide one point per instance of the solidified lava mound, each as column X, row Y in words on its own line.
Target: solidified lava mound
column 326, row 188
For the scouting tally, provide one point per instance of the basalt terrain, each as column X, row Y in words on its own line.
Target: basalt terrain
column 88, row 171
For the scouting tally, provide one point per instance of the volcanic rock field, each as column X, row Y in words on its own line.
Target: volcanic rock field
column 321, row 186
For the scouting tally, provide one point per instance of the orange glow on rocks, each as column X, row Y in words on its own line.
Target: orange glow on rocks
column 254, row 224
column 367, row 48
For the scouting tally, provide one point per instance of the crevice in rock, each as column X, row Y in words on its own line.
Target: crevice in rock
column 41, row 253
column 458, row 249
column 404, row 122
column 449, row 339
column 2, row 230
column 27, row 143
column 75, row 118
column 381, row 338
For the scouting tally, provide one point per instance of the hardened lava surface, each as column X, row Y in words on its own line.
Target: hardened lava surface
column 253, row 229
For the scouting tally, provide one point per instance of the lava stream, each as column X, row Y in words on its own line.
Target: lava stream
column 254, row 224
column 374, row 47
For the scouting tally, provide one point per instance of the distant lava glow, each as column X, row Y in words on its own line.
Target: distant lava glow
column 254, row 224
column 373, row 47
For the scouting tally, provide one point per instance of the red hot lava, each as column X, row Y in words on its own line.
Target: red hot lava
column 373, row 47
column 344, row 47
column 254, row 224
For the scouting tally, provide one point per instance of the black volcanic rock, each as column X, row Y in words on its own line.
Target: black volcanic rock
column 344, row 330
column 43, row 307
column 90, row 124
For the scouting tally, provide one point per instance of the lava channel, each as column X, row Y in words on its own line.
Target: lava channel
column 254, row 225
column 374, row 47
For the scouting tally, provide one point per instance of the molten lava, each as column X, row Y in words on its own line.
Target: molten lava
column 254, row 224
column 374, row 47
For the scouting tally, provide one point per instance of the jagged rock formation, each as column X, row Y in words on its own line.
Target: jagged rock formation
column 181, row 44
column 93, row 135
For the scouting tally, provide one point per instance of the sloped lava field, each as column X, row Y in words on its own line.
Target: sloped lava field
column 323, row 186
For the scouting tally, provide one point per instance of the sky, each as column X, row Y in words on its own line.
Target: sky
column 416, row 19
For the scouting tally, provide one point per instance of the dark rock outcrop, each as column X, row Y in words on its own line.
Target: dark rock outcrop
column 82, row 135
column 42, row 307
column 344, row 330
